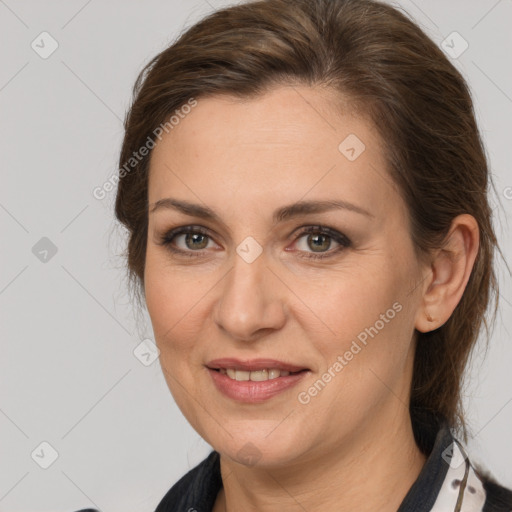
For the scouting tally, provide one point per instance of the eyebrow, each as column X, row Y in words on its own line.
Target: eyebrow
column 281, row 214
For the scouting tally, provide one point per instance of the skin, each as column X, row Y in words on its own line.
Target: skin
column 352, row 446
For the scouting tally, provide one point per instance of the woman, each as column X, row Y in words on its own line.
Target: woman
column 305, row 191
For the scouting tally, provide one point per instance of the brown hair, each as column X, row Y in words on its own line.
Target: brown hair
column 375, row 55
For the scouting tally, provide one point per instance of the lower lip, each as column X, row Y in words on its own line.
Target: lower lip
column 249, row 391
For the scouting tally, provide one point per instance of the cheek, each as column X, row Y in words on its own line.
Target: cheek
column 174, row 305
column 365, row 363
column 354, row 299
column 169, row 306
column 369, row 321
column 173, row 297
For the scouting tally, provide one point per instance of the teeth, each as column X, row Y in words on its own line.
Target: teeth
column 273, row 373
column 259, row 375
column 241, row 375
column 256, row 376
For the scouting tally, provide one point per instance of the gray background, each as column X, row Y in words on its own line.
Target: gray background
column 68, row 374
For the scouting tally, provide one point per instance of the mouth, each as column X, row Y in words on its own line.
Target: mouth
column 255, row 375
column 255, row 380
column 255, row 369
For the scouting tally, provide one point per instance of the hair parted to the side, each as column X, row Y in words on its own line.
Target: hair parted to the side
column 374, row 55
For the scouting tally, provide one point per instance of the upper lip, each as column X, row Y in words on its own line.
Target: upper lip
column 253, row 364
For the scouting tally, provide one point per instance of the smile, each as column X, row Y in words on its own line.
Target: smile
column 256, row 380
column 255, row 376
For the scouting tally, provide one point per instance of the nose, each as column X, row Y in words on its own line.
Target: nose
column 251, row 302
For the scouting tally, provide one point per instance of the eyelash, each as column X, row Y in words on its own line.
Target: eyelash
column 344, row 242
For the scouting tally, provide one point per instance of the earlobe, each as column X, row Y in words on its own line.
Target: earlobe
column 451, row 268
column 425, row 322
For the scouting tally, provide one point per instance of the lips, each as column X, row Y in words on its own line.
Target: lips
column 256, row 380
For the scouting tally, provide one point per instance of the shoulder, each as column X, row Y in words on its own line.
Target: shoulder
column 498, row 497
column 197, row 489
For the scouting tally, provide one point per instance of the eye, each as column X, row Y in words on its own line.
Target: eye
column 194, row 239
column 320, row 238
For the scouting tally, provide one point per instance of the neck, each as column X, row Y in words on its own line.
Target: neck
column 373, row 470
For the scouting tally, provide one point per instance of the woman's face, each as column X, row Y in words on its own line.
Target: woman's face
column 261, row 284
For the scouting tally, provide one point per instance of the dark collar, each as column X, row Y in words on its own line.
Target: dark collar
column 423, row 493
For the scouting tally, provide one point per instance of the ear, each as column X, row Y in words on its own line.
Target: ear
column 451, row 268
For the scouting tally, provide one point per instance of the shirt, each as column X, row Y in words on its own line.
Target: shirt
column 448, row 482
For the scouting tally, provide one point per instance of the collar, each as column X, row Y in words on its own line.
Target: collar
column 447, row 482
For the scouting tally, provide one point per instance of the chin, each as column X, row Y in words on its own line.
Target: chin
column 262, row 450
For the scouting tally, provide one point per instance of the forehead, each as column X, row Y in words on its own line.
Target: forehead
column 275, row 148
